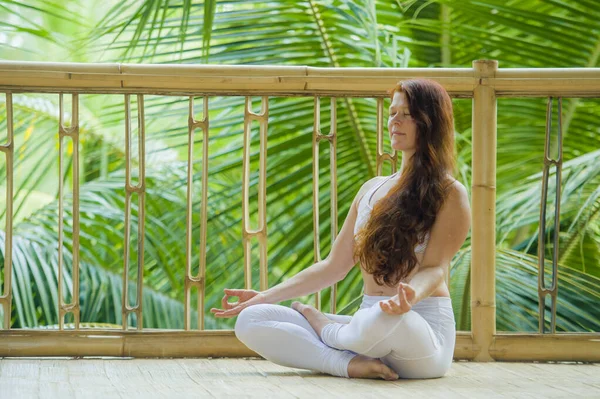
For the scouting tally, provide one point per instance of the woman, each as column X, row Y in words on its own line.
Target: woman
column 404, row 229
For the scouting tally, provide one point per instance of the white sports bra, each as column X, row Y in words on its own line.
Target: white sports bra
column 364, row 210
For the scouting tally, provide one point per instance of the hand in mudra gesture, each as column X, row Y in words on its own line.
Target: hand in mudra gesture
column 401, row 302
column 246, row 298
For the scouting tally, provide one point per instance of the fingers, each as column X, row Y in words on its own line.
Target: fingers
column 385, row 307
column 229, row 309
column 225, row 304
column 410, row 291
column 404, row 300
column 239, row 293
column 226, row 313
column 220, row 312
column 396, row 308
column 390, row 307
column 228, row 293
column 401, row 306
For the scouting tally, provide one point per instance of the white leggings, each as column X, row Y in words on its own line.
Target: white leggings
column 417, row 344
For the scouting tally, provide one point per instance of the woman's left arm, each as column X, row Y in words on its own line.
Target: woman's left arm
column 446, row 238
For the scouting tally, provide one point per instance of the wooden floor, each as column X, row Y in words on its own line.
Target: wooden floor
column 253, row 378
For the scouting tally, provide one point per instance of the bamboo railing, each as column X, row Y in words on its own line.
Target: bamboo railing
column 484, row 83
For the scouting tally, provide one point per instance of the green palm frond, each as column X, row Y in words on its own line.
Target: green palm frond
column 35, row 292
column 35, row 124
column 517, row 295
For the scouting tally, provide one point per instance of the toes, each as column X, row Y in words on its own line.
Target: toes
column 387, row 373
column 392, row 376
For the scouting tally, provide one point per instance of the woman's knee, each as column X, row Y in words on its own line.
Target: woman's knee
column 249, row 317
column 245, row 319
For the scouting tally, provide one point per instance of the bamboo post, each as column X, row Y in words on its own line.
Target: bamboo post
column 72, row 132
column 131, row 189
column 198, row 281
column 315, row 189
column 9, row 150
column 483, row 230
column 383, row 156
column 261, row 231
column 332, row 139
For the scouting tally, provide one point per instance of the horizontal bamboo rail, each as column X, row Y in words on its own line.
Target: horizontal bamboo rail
column 564, row 347
column 484, row 83
column 223, row 343
column 283, row 80
column 149, row 343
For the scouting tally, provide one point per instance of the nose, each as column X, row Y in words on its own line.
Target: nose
column 399, row 117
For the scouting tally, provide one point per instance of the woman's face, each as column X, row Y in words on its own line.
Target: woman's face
column 402, row 127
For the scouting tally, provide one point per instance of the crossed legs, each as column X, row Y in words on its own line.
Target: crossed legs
column 406, row 343
column 360, row 366
column 369, row 344
column 285, row 337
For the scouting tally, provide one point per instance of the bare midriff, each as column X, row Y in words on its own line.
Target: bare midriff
column 372, row 288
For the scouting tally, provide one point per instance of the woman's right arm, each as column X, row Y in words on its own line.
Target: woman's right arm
column 327, row 272
column 310, row 280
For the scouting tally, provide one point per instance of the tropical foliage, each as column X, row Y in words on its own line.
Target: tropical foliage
column 326, row 33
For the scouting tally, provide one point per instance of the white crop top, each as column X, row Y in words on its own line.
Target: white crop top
column 364, row 210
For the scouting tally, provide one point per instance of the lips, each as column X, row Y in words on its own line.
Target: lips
column 394, row 131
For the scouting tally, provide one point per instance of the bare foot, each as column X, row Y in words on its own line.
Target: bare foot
column 365, row 367
column 316, row 319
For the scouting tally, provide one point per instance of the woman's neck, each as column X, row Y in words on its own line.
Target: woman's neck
column 406, row 159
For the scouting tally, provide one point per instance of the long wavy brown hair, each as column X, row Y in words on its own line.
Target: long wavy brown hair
column 399, row 221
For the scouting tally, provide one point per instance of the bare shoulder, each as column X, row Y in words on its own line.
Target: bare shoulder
column 457, row 204
column 457, row 192
column 450, row 228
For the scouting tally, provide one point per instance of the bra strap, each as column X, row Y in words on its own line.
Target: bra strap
column 378, row 186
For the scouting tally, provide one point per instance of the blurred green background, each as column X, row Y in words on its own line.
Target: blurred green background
column 323, row 33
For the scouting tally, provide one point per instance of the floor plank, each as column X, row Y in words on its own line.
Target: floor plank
column 256, row 378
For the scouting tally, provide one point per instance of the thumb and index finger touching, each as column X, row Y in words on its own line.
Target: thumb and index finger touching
column 229, row 309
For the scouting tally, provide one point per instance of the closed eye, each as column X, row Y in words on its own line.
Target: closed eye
column 405, row 114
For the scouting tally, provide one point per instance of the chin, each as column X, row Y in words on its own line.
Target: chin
column 399, row 147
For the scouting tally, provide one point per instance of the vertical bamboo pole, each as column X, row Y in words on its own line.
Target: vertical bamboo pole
column 261, row 231
column 198, row 281
column 141, row 187
column 8, row 149
column 382, row 156
column 130, row 189
column 332, row 138
column 73, row 132
column 543, row 289
column 262, row 196
column 315, row 189
column 483, row 231
column 125, row 309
